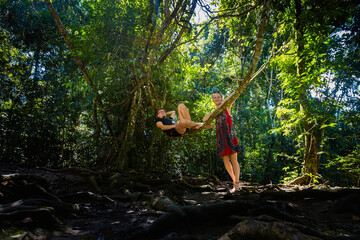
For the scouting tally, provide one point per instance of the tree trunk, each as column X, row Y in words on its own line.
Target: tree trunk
column 311, row 164
column 123, row 159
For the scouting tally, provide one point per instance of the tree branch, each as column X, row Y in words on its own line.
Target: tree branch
column 254, row 62
column 173, row 45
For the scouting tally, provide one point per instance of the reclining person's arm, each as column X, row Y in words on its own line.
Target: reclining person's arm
column 171, row 113
column 164, row 127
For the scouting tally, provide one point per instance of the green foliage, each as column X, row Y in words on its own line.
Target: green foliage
column 349, row 164
column 49, row 117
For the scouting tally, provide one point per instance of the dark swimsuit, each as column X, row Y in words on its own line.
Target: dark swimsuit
column 168, row 121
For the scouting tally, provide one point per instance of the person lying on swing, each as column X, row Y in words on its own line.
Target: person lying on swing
column 170, row 126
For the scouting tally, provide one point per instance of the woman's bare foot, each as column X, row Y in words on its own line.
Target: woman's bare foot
column 235, row 188
column 232, row 190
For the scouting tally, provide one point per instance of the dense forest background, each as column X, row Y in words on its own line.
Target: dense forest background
column 89, row 101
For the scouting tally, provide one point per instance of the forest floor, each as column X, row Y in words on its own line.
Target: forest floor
column 57, row 204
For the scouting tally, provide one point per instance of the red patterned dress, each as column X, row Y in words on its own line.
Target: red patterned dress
column 226, row 141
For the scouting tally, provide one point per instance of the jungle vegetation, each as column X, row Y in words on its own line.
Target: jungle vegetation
column 89, row 101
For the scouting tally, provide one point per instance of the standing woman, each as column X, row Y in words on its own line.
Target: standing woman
column 227, row 144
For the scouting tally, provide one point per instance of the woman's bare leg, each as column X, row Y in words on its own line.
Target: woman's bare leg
column 229, row 167
column 236, row 166
column 233, row 169
column 185, row 120
column 183, row 112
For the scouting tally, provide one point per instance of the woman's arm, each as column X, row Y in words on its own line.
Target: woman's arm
column 229, row 107
column 207, row 116
column 228, row 98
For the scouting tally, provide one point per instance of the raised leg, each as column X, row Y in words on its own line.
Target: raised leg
column 183, row 112
column 185, row 120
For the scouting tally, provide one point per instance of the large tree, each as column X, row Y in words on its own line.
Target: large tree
column 137, row 39
column 313, row 23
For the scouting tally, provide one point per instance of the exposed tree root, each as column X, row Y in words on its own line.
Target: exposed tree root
column 131, row 205
column 302, row 180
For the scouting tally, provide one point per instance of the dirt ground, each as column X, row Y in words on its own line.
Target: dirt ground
column 40, row 203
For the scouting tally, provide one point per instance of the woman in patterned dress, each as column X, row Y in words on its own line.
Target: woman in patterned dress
column 227, row 144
